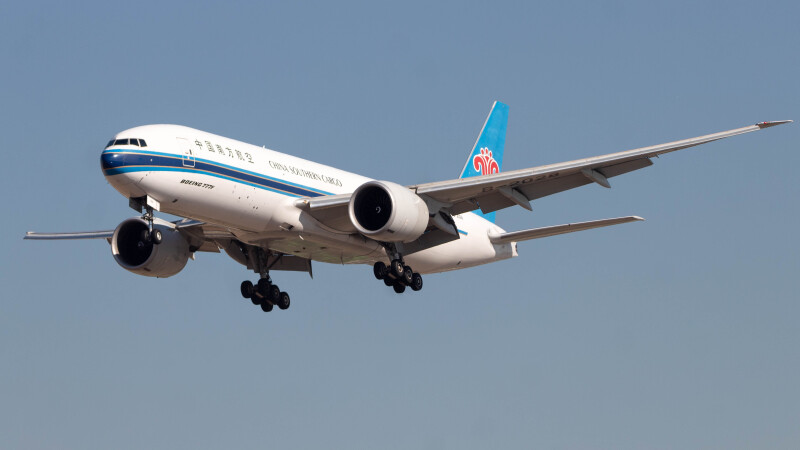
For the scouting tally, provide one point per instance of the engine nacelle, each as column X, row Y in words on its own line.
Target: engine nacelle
column 145, row 258
column 386, row 211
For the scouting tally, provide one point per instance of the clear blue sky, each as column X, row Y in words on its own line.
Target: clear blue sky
column 678, row 332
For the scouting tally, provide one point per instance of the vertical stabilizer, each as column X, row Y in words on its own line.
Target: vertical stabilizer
column 487, row 155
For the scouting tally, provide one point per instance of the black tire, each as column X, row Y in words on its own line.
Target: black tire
column 145, row 236
column 247, row 289
column 156, row 236
column 274, row 294
column 284, row 301
column 261, row 291
column 380, row 270
column 266, row 306
column 416, row 282
column 397, row 268
column 408, row 275
column 388, row 281
column 399, row 287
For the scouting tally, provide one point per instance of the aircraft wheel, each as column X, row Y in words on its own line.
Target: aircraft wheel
column 274, row 294
column 397, row 268
column 247, row 289
column 284, row 301
column 380, row 270
column 266, row 306
column 416, row 282
column 388, row 281
column 156, row 236
column 261, row 291
column 399, row 287
column 263, row 287
column 408, row 275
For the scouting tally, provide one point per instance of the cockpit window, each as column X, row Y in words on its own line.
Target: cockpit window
column 131, row 141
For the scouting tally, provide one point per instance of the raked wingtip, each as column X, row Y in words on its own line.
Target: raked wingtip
column 763, row 125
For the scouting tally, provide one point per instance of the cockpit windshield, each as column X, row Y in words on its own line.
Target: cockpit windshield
column 129, row 141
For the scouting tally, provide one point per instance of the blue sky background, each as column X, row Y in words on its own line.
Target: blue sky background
column 678, row 332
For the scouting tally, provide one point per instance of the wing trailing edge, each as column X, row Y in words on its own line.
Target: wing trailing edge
column 536, row 233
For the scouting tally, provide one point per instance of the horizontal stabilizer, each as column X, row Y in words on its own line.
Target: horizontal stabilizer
column 536, row 233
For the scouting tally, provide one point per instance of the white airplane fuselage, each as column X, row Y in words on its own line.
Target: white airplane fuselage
column 251, row 190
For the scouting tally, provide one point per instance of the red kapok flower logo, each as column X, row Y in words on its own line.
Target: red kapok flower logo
column 485, row 163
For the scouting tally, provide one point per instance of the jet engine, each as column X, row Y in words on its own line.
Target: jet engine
column 388, row 212
column 141, row 256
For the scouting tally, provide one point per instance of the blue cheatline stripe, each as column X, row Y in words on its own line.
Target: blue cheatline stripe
column 214, row 163
column 143, row 161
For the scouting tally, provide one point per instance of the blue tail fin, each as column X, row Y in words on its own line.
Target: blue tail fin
column 487, row 155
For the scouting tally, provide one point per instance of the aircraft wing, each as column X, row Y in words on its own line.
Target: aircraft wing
column 204, row 237
column 106, row 234
column 493, row 192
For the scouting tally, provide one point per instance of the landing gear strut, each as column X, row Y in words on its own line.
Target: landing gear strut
column 151, row 235
column 397, row 275
column 264, row 293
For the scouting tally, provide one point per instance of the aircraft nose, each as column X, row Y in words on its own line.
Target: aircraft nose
column 113, row 165
column 109, row 161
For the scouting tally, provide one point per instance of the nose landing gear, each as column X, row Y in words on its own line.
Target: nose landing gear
column 151, row 235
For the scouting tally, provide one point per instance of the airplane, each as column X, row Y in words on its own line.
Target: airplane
column 271, row 211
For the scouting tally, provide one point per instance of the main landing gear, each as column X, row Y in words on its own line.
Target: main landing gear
column 264, row 293
column 397, row 275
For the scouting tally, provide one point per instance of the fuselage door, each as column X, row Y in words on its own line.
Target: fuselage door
column 186, row 150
